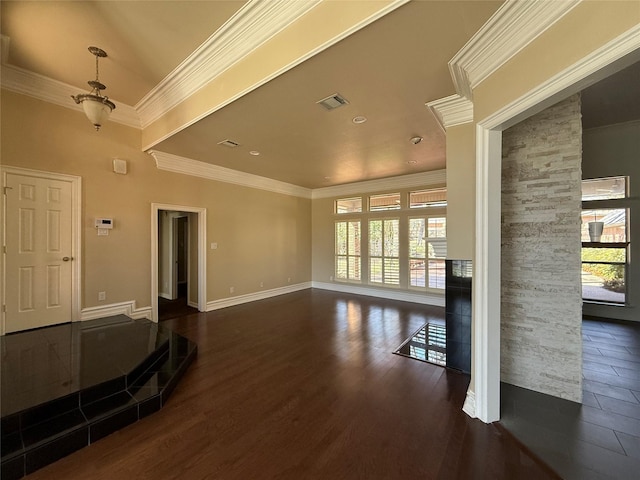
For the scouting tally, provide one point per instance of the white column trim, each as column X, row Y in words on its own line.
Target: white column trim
column 620, row 52
column 486, row 278
column 202, row 254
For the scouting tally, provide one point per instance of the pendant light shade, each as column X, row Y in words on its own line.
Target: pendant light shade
column 96, row 107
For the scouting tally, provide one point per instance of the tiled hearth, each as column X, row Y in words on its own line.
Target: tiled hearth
column 66, row 386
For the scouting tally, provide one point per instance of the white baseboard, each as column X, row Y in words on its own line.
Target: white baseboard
column 193, row 304
column 403, row 296
column 164, row 295
column 470, row 404
column 252, row 297
column 123, row 308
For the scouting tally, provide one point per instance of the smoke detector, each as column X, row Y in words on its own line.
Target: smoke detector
column 416, row 140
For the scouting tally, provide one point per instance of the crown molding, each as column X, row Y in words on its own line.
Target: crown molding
column 451, row 111
column 621, row 52
column 196, row 168
column 249, row 28
column 425, row 179
column 511, row 28
column 44, row 88
column 188, row 166
column 384, row 10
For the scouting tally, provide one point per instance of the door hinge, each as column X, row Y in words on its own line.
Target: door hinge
column 7, row 188
column 4, row 249
column 4, row 308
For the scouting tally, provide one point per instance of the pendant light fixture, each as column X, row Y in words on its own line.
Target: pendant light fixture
column 96, row 106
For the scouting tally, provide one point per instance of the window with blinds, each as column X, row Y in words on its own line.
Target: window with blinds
column 427, row 252
column 347, row 258
column 387, row 201
column 348, row 205
column 435, row 197
column 384, row 251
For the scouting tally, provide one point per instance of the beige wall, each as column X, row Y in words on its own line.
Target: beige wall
column 461, row 187
column 262, row 236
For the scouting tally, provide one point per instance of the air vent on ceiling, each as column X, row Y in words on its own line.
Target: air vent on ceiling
column 229, row 143
column 333, row 101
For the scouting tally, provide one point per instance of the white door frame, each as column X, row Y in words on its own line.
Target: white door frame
column 614, row 56
column 76, row 234
column 202, row 254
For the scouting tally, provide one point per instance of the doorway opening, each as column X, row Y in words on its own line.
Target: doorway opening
column 178, row 261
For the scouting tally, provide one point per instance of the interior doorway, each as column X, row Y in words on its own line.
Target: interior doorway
column 178, row 261
column 176, row 297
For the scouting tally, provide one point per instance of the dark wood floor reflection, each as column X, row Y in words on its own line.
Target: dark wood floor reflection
column 305, row 386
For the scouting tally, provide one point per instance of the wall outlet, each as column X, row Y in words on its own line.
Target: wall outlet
column 261, row 284
column 232, row 289
column 102, row 296
column 214, row 246
column 289, row 280
column 331, row 278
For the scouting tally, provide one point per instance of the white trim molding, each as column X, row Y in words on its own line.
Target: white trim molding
column 76, row 232
column 403, row 296
column 425, row 179
column 196, row 168
column 202, row 253
column 615, row 55
column 252, row 297
column 451, row 111
column 470, row 404
column 249, row 28
column 514, row 25
column 384, row 10
column 44, row 88
column 123, row 308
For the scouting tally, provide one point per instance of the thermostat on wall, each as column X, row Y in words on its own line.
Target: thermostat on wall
column 104, row 222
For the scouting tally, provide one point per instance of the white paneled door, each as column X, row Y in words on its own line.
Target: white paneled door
column 39, row 254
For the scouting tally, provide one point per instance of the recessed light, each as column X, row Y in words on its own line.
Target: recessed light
column 359, row 119
column 255, row 153
column 327, row 178
column 412, row 162
column 416, row 140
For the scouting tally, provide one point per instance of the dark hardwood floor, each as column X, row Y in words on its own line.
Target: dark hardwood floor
column 599, row 439
column 179, row 307
column 305, row 386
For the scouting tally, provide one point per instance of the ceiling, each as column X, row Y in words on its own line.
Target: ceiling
column 616, row 99
column 386, row 70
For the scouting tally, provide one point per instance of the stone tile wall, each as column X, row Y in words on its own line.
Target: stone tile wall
column 541, row 345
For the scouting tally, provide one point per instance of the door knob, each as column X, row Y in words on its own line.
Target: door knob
column 66, row 259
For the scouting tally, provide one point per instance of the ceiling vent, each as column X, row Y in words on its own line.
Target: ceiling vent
column 333, row 101
column 229, row 143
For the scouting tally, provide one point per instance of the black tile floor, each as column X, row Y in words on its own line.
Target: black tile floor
column 599, row 439
column 66, row 386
